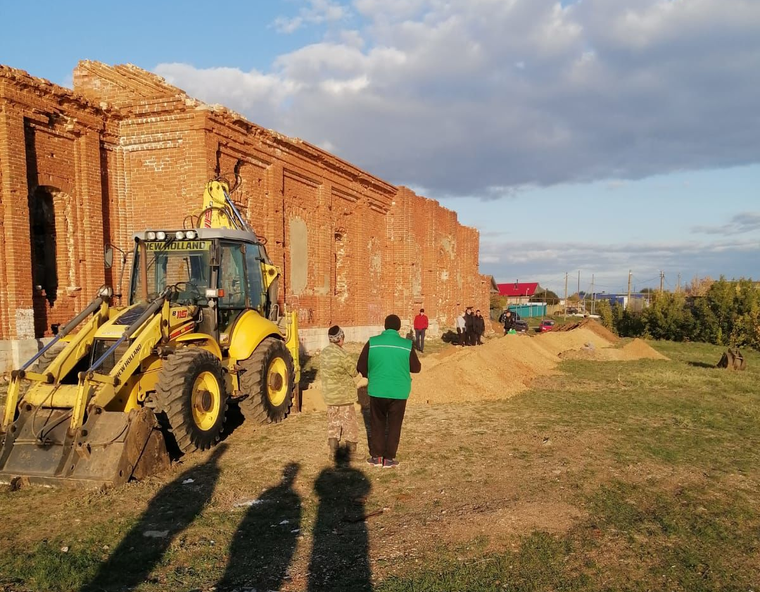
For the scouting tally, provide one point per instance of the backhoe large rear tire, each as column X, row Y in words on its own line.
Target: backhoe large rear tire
column 268, row 379
column 191, row 397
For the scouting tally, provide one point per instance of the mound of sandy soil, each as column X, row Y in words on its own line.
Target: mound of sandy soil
column 507, row 365
column 498, row 369
column 591, row 325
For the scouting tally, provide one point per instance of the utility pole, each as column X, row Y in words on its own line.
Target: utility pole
column 546, row 305
column 593, row 294
column 565, row 295
column 579, row 284
column 628, row 302
column 662, row 279
column 678, row 284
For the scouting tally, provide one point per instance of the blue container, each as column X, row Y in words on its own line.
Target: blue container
column 530, row 310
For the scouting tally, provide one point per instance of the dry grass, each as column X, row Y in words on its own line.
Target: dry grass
column 609, row 476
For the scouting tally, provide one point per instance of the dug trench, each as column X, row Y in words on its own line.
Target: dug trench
column 482, row 469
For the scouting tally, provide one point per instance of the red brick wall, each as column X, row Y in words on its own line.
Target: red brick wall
column 49, row 138
column 126, row 151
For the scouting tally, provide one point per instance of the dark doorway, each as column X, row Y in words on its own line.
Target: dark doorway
column 44, row 256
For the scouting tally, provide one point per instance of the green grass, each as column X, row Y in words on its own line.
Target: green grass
column 661, row 459
column 676, row 504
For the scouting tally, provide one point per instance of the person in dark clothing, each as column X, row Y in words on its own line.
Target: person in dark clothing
column 387, row 361
column 469, row 327
column 480, row 327
column 420, row 326
column 508, row 319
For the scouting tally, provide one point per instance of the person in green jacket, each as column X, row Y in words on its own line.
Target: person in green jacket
column 387, row 361
column 337, row 372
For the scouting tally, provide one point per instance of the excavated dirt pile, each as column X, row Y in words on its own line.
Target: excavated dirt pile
column 591, row 325
column 507, row 365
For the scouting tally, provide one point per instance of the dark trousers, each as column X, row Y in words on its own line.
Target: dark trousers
column 386, row 417
column 419, row 339
column 460, row 336
column 470, row 337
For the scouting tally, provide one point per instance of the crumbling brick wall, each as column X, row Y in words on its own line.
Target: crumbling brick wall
column 126, row 151
column 51, row 185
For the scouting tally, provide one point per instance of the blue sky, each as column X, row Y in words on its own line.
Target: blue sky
column 594, row 135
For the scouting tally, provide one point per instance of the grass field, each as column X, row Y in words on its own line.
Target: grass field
column 610, row 476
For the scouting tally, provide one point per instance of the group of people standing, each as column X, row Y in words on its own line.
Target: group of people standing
column 471, row 326
column 387, row 362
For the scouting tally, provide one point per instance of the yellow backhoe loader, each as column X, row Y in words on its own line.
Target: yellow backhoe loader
column 102, row 400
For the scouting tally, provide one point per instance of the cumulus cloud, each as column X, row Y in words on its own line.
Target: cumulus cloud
column 316, row 12
column 483, row 98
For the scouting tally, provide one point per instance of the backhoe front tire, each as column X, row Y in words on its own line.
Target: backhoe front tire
column 191, row 397
column 268, row 379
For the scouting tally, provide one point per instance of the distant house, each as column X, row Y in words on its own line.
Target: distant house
column 639, row 300
column 518, row 293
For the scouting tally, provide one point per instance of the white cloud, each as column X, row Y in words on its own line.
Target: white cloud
column 483, row 97
column 317, row 12
column 353, row 85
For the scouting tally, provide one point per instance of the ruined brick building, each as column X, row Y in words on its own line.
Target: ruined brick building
column 126, row 151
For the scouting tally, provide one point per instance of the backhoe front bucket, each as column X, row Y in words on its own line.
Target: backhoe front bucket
column 109, row 448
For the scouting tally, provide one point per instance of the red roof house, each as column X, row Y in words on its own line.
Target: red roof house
column 517, row 292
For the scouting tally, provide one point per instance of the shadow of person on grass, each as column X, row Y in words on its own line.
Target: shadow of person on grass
column 701, row 365
column 169, row 513
column 340, row 552
column 264, row 543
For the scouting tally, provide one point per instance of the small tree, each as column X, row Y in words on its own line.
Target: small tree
column 543, row 295
column 498, row 303
column 617, row 316
column 604, row 310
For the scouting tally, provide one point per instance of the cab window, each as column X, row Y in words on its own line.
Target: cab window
column 232, row 277
column 255, row 280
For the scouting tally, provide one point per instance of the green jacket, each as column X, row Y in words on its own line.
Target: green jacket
column 389, row 361
column 337, row 372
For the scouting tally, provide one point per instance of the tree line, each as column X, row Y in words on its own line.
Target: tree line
column 725, row 313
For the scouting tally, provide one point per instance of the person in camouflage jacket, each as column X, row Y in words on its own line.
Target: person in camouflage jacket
column 337, row 372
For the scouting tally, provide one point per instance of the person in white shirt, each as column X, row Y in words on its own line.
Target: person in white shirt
column 460, row 325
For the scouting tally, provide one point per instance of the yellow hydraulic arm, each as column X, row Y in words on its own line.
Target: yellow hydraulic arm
column 218, row 209
column 99, row 389
column 65, row 361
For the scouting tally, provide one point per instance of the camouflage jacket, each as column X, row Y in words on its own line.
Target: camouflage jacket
column 337, row 371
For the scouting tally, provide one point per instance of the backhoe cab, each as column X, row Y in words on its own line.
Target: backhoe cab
column 202, row 327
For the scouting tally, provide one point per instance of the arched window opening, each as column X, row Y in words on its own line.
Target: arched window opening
column 44, row 251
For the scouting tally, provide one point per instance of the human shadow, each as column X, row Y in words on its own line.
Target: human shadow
column 701, row 365
column 264, row 543
column 340, row 551
column 169, row 513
